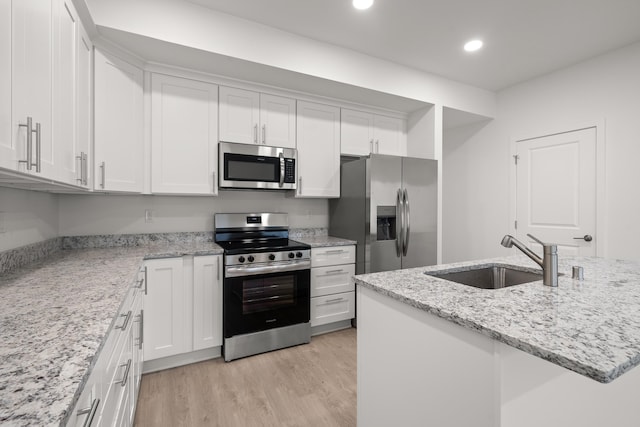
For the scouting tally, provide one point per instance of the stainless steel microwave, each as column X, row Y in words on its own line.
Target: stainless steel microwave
column 259, row 167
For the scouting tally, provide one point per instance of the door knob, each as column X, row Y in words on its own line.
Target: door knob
column 586, row 238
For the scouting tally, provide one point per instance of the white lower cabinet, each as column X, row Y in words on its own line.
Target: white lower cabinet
column 332, row 286
column 183, row 308
column 109, row 395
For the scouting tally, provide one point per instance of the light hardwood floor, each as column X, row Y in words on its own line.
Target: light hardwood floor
column 307, row 385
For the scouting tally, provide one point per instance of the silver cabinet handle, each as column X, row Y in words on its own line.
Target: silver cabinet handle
column 333, row 272
column 407, row 223
column 264, row 134
column 371, row 145
column 333, row 300
column 145, row 279
column 300, row 185
column 127, row 317
column 141, row 329
column 281, row 181
column 399, row 224
column 85, row 169
column 38, row 162
column 102, row 170
column 378, row 146
column 586, row 238
column 215, row 184
column 29, row 126
column 219, row 270
column 255, row 133
column 126, row 373
column 80, row 158
column 334, row 251
column 91, row 411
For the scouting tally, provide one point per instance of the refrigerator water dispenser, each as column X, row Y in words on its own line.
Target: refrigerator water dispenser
column 386, row 219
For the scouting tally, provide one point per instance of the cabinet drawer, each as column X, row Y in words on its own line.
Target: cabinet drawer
column 332, row 308
column 334, row 255
column 332, row 279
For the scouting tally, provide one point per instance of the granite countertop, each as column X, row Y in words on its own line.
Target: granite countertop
column 54, row 315
column 591, row 327
column 323, row 241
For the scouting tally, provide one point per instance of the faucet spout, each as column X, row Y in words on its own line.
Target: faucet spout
column 549, row 263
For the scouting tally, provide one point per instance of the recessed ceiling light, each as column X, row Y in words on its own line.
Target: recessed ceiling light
column 473, row 45
column 362, row 4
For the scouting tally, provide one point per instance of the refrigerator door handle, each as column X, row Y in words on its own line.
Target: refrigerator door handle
column 399, row 221
column 407, row 223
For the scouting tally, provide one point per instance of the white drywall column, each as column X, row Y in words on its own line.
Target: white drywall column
column 437, row 154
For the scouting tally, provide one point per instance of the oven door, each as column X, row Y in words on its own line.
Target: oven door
column 265, row 301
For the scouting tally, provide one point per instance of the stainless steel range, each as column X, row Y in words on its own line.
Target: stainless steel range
column 267, row 281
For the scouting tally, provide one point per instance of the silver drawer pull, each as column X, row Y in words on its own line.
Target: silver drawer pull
column 126, row 373
column 334, row 251
column 331, row 272
column 334, row 300
column 91, row 411
column 127, row 317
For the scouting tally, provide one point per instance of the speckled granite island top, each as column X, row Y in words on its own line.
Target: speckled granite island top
column 324, row 241
column 591, row 327
column 54, row 315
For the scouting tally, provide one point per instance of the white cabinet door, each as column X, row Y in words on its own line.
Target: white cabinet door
column 239, row 115
column 31, row 83
column 8, row 155
column 84, row 90
column 184, row 135
column 277, row 121
column 65, row 99
column 118, row 160
column 364, row 133
column 389, row 136
column 318, row 142
column 164, row 314
column 356, row 133
column 207, row 301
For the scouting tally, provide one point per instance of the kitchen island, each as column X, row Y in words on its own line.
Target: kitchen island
column 436, row 352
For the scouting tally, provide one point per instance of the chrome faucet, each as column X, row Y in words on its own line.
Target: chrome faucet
column 549, row 262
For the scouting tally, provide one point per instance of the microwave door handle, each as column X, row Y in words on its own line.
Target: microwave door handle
column 281, row 183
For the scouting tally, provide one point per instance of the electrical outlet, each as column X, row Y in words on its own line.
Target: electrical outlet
column 2, row 221
column 148, row 215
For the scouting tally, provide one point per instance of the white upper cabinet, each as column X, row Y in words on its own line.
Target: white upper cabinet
column 253, row 118
column 118, row 103
column 277, row 121
column 31, row 30
column 184, row 135
column 318, row 137
column 84, row 96
column 65, row 98
column 8, row 156
column 364, row 133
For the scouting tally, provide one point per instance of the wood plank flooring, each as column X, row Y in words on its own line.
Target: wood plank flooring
column 307, row 385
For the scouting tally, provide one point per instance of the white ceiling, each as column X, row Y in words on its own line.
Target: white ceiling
column 523, row 38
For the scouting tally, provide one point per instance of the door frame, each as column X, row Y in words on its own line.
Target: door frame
column 601, row 208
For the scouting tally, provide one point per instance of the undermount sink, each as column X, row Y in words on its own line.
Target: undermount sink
column 489, row 277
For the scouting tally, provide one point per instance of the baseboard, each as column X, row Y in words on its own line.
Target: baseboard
column 169, row 362
column 330, row 327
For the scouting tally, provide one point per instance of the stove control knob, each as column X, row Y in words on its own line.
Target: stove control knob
column 251, row 258
column 241, row 259
column 272, row 257
column 291, row 255
column 299, row 254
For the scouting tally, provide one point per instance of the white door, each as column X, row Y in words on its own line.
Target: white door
column 556, row 191
column 184, row 135
column 31, row 97
column 207, row 301
column 7, row 148
column 278, row 121
column 239, row 115
column 164, row 309
column 318, row 150
column 118, row 125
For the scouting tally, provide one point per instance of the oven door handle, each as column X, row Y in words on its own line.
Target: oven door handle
column 253, row 270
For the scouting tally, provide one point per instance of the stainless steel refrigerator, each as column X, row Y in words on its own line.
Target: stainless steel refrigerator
column 388, row 204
